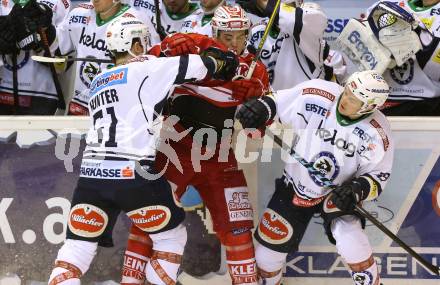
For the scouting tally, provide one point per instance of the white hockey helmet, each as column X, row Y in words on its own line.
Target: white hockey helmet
column 121, row 33
column 230, row 18
column 297, row 3
column 369, row 87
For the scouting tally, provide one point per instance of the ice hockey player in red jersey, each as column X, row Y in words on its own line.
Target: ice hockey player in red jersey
column 207, row 109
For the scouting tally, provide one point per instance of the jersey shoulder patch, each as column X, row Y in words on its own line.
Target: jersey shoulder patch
column 313, row 91
column 382, row 127
column 87, row 6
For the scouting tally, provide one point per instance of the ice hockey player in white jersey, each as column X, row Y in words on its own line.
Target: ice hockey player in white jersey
column 20, row 23
column 174, row 14
column 83, row 34
column 347, row 140
column 415, row 86
column 295, row 49
column 117, row 172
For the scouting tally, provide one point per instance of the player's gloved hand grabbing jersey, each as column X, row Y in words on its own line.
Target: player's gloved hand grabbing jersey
column 255, row 113
column 178, row 44
column 245, row 89
column 221, row 65
column 348, row 194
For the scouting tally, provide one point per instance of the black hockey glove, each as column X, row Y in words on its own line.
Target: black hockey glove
column 255, row 113
column 37, row 16
column 7, row 36
column 348, row 194
column 221, row 65
column 26, row 40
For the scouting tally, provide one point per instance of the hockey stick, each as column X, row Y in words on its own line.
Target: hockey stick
column 15, row 82
column 263, row 40
column 56, row 81
column 159, row 29
column 328, row 183
column 68, row 59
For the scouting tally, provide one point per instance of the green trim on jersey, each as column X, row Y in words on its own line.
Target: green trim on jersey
column 100, row 22
column 417, row 5
column 179, row 16
column 346, row 121
column 206, row 19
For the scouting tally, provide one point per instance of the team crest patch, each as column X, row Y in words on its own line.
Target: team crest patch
column 239, row 206
column 362, row 278
column 88, row 71
column 327, row 165
column 403, row 74
column 151, row 218
column 273, row 228
column 22, row 59
column 86, row 220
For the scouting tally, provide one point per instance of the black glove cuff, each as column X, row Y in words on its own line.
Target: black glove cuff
column 270, row 105
column 361, row 188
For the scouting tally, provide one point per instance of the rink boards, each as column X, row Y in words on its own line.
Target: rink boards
column 39, row 166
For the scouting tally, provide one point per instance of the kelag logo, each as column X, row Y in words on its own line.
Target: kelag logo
column 336, row 25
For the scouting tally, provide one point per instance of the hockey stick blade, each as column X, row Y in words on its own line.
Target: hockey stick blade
column 328, row 183
column 68, row 59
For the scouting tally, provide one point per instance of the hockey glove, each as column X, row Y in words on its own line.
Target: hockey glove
column 245, row 89
column 178, row 44
column 222, row 64
column 255, row 113
column 7, row 36
column 348, row 194
column 37, row 16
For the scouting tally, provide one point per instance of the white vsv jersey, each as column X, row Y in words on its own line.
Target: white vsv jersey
column 340, row 149
column 297, row 52
column 172, row 23
column 420, row 78
column 34, row 79
column 125, row 102
column 84, row 33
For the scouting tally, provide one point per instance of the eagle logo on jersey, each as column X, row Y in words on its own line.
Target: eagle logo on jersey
column 325, row 162
column 362, row 278
column 87, row 72
column 403, row 74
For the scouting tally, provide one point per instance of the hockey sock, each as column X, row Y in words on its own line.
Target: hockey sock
column 270, row 264
column 73, row 260
column 353, row 245
column 168, row 248
column 240, row 257
column 136, row 257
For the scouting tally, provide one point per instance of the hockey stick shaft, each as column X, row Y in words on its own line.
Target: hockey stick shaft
column 56, row 81
column 159, row 28
column 328, row 183
column 15, row 82
column 263, row 40
column 68, row 59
